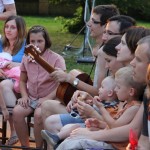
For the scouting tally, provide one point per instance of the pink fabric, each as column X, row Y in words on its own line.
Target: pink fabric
column 39, row 82
column 13, row 73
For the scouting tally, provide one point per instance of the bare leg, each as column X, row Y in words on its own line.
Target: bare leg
column 51, row 107
column 53, row 124
column 38, row 126
column 53, row 138
column 66, row 130
column 12, row 128
column 8, row 93
column 19, row 114
column 3, row 105
column 47, row 108
column 10, row 100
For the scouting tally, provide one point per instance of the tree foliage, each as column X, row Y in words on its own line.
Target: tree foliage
column 58, row 2
column 139, row 9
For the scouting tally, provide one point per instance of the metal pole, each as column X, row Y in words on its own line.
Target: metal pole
column 87, row 32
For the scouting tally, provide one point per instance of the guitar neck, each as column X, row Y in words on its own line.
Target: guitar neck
column 33, row 53
column 44, row 64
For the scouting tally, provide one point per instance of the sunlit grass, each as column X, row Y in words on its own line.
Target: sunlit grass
column 143, row 23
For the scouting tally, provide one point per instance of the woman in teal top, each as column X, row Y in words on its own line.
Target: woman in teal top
column 12, row 42
column 17, row 57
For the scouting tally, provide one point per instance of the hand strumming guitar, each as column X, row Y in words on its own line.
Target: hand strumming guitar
column 60, row 76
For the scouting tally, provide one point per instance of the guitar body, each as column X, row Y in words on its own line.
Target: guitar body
column 66, row 90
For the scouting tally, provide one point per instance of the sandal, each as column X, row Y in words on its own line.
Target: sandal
column 12, row 140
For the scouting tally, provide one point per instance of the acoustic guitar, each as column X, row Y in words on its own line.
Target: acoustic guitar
column 65, row 90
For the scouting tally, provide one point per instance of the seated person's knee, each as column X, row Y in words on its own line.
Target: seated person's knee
column 16, row 112
column 51, row 119
column 45, row 105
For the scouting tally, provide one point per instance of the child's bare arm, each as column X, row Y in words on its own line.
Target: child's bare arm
column 104, row 113
column 126, row 117
column 23, row 84
column 95, row 124
column 23, row 101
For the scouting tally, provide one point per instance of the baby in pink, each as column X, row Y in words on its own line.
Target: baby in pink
column 13, row 73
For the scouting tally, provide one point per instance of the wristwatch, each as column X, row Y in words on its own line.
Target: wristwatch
column 75, row 82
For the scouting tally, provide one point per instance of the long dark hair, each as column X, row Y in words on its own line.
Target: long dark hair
column 133, row 35
column 109, row 47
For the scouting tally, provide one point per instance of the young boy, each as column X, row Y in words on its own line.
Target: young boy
column 56, row 132
column 127, row 90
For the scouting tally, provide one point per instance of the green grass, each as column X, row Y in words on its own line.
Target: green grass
column 54, row 27
column 60, row 39
column 143, row 23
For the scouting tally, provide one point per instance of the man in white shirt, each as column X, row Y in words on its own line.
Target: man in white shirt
column 7, row 8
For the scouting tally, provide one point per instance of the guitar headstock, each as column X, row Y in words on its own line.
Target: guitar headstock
column 32, row 51
column 34, row 56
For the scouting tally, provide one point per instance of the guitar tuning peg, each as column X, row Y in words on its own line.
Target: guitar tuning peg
column 33, row 61
column 38, row 49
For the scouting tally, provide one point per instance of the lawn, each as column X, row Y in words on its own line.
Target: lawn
column 60, row 39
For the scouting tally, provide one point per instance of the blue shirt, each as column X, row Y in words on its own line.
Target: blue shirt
column 17, row 57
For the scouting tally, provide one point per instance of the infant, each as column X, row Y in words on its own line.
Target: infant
column 13, row 73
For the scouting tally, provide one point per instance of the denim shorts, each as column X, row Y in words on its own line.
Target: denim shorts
column 68, row 119
column 33, row 102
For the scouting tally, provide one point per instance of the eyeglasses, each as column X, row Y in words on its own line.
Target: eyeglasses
column 95, row 22
column 111, row 33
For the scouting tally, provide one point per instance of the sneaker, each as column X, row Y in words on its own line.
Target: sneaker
column 50, row 138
